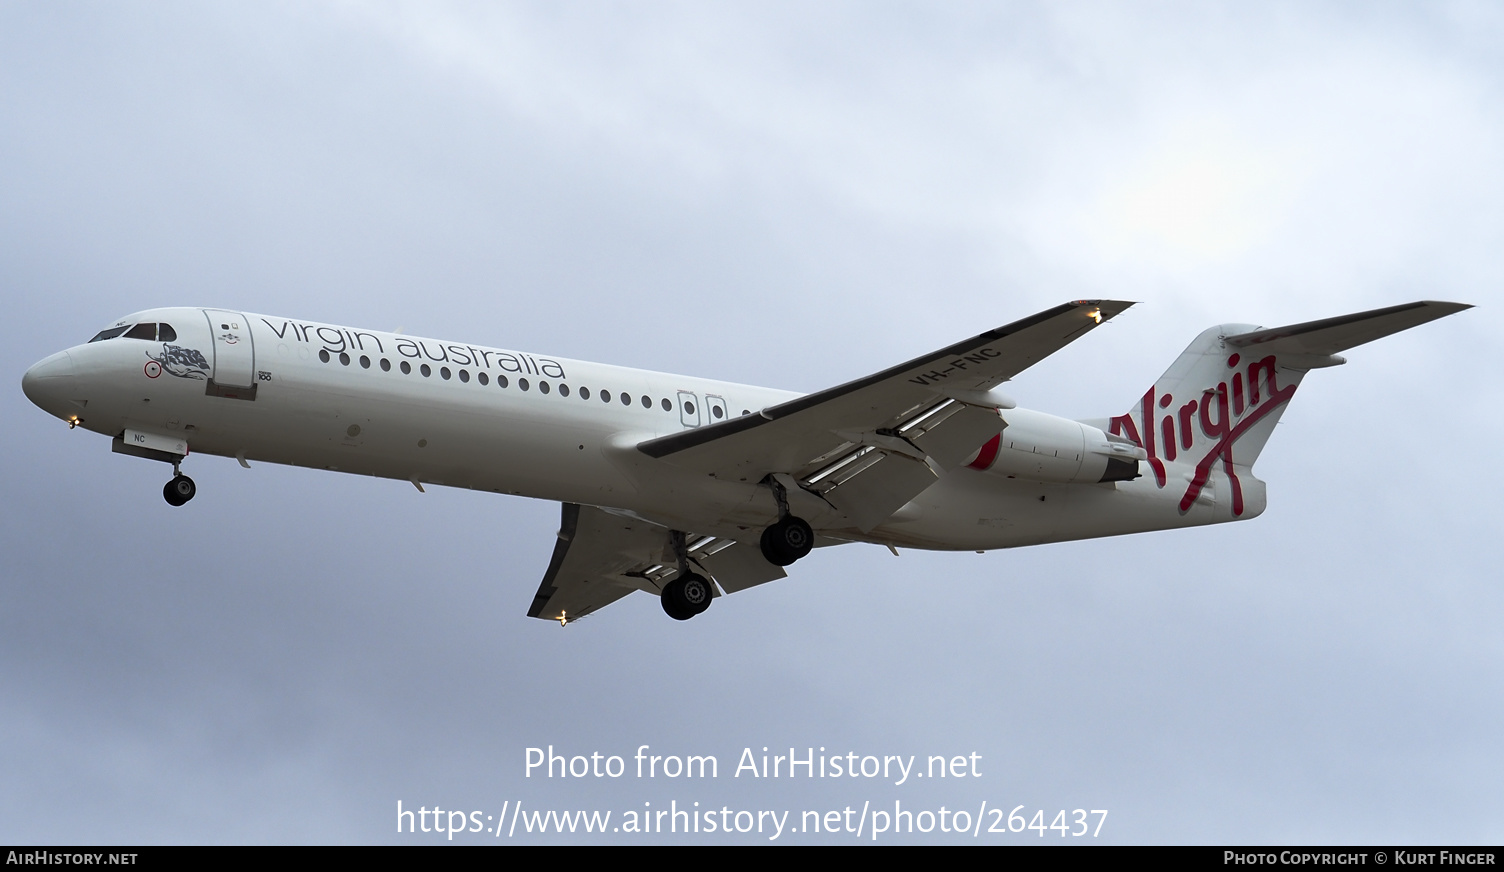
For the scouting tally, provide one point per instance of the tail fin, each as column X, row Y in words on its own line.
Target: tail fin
column 1219, row 401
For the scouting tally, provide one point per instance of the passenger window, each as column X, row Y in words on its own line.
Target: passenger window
column 584, row 393
column 444, row 371
column 425, row 370
column 324, row 355
column 365, row 362
column 522, row 383
column 667, row 406
column 407, row 368
column 542, row 387
column 563, row 390
column 143, row 331
column 501, row 381
column 482, row 378
column 626, row 398
column 465, row 375
column 386, row 365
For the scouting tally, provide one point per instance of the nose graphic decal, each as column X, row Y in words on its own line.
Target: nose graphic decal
column 179, row 361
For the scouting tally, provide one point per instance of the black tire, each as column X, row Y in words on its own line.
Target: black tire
column 787, row 541
column 673, row 603
column 768, row 544
column 179, row 491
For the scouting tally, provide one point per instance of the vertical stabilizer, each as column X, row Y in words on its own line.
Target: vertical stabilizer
column 1217, row 404
column 1215, row 407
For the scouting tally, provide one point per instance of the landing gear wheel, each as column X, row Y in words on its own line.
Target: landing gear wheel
column 686, row 596
column 787, row 541
column 178, row 491
column 673, row 605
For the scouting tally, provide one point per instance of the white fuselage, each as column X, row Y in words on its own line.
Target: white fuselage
column 334, row 398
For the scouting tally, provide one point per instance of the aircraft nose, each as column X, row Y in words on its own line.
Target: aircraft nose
column 49, row 384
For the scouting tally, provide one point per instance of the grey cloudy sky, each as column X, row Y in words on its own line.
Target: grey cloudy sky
column 782, row 194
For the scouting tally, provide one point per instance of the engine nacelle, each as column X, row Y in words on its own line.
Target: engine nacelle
column 1038, row 447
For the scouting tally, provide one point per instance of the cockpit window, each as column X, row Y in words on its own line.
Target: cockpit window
column 110, row 333
column 145, row 330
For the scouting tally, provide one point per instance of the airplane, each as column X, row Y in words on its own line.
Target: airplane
column 689, row 489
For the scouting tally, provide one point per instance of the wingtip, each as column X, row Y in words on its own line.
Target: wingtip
column 1102, row 310
column 1450, row 307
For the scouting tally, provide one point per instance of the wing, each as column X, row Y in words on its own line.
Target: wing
column 871, row 445
column 601, row 557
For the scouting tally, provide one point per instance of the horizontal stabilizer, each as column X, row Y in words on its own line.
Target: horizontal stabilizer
column 1331, row 335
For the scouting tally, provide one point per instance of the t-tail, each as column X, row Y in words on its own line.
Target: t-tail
column 1216, row 406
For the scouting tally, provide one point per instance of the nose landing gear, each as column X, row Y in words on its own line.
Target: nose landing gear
column 179, row 491
column 171, row 450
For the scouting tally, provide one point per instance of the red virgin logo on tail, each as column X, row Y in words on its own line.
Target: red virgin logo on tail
column 1223, row 414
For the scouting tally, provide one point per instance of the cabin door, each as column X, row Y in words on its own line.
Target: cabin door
column 234, row 353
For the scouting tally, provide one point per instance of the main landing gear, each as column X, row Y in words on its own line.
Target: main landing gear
column 687, row 594
column 787, row 541
column 782, row 543
column 790, row 538
column 685, row 597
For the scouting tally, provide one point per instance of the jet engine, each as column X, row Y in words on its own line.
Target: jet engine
column 1038, row 447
